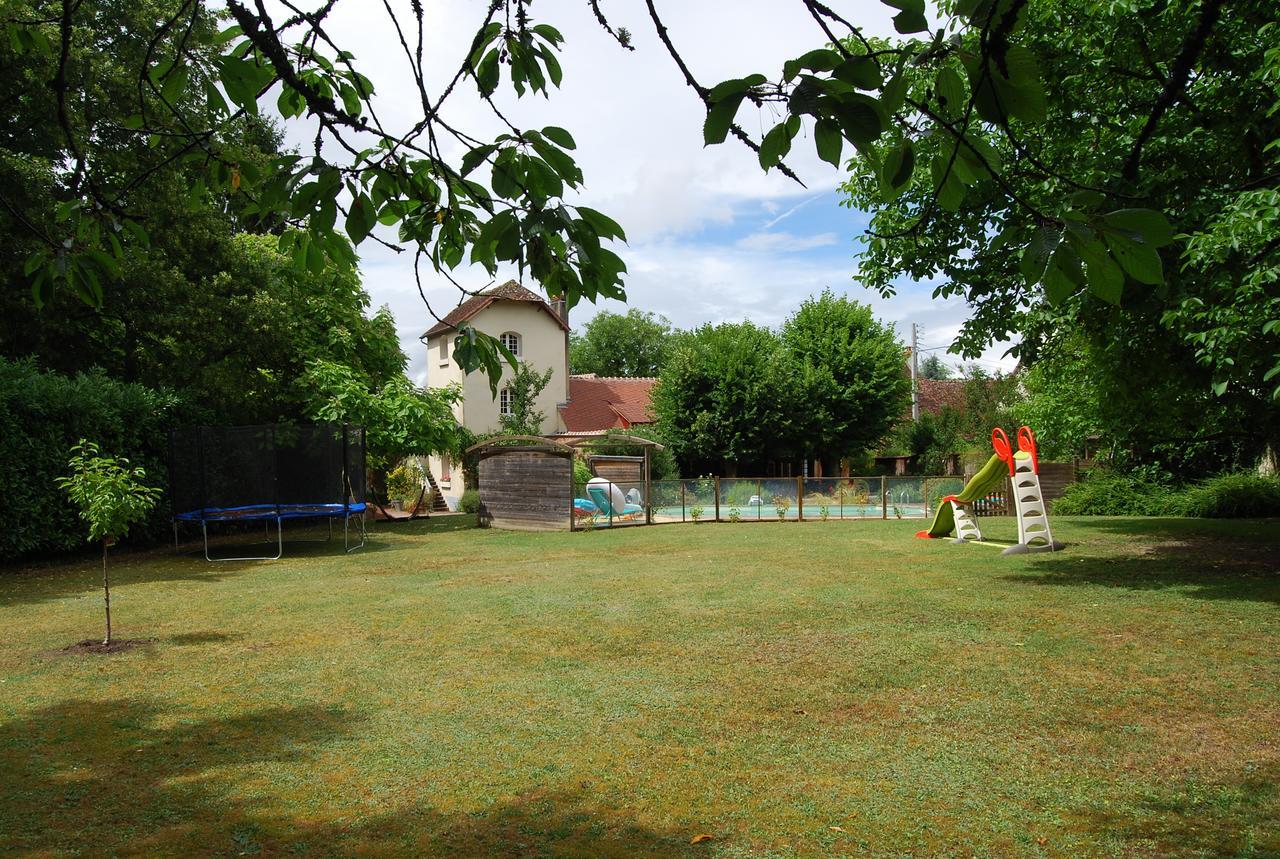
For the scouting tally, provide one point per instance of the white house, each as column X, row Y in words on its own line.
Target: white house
column 532, row 329
column 538, row 333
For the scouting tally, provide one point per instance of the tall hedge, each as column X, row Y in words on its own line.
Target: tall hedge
column 42, row 415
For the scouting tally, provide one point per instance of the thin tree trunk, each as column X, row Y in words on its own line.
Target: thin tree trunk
column 106, row 593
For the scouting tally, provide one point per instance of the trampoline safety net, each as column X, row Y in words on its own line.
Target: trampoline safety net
column 283, row 471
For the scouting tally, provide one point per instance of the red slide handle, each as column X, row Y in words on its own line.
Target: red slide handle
column 1000, row 442
column 1027, row 442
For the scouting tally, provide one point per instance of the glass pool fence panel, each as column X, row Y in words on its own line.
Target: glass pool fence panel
column 632, row 512
column 740, row 499
column 859, row 497
column 822, row 498
column 905, row 497
column 781, row 498
column 699, row 499
column 939, row 488
column 668, row 501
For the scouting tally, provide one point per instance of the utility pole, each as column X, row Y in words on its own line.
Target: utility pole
column 915, row 375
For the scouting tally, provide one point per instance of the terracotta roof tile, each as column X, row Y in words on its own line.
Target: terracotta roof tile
column 936, row 393
column 509, row 291
column 604, row 402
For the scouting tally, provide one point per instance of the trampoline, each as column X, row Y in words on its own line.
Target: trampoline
column 272, row 473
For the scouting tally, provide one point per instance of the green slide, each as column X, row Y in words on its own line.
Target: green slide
column 986, row 481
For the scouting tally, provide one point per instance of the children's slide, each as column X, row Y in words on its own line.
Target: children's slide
column 990, row 478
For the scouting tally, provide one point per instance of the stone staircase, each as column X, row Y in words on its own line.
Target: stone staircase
column 438, row 504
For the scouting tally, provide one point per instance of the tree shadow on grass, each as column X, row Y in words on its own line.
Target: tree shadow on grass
column 47, row 583
column 1236, row 817
column 127, row 777
column 1214, row 560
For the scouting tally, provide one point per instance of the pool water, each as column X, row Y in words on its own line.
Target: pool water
column 848, row 511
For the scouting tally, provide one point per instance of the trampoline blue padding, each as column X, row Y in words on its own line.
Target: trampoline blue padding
column 258, row 512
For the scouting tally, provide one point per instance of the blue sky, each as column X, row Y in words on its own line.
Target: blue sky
column 711, row 237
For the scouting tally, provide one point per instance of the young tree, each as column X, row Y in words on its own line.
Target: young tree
column 629, row 345
column 524, row 417
column 862, row 365
column 111, row 497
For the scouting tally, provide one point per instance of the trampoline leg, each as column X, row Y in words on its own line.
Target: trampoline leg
column 175, row 535
column 279, row 544
column 346, row 544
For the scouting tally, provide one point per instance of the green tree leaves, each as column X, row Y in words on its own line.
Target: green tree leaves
column 613, row 344
column 109, row 493
column 1097, row 252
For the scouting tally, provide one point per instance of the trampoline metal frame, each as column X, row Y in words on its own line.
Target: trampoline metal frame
column 279, row 520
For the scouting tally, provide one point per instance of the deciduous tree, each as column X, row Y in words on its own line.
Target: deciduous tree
column 918, row 112
column 859, row 370
column 614, row 344
column 730, row 396
column 111, row 496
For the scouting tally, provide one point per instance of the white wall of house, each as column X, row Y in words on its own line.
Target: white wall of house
column 542, row 344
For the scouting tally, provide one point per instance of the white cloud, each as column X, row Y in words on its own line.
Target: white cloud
column 785, row 242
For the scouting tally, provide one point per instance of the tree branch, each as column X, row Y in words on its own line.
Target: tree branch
column 1174, row 84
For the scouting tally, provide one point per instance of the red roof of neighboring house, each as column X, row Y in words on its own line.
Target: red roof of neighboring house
column 936, row 393
column 509, row 291
column 606, row 402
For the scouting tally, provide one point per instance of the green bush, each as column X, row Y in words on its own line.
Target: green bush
column 469, row 502
column 406, row 481
column 739, row 492
column 1233, row 496
column 1112, row 493
column 581, row 472
column 41, row 416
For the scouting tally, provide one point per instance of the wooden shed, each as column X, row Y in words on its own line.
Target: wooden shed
column 619, row 469
column 525, row 483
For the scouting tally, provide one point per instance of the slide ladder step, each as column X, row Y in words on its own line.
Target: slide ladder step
column 1033, row 520
column 966, row 523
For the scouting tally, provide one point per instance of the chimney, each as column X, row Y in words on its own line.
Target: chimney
column 560, row 309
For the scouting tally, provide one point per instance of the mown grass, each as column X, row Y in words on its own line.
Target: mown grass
column 786, row 688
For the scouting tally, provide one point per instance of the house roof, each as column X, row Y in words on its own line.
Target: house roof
column 604, row 402
column 936, row 393
column 509, row 291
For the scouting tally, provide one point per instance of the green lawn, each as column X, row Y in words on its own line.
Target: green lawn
column 787, row 689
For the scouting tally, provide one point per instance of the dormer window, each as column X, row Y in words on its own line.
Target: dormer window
column 511, row 340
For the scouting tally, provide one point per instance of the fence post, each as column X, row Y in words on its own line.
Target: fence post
column 841, row 503
column 717, row 498
column 682, row 501
column 800, row 498
column 926, row 498
column 884, row 497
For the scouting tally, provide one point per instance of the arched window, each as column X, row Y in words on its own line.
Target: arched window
column 504, row 400
column 512, row 341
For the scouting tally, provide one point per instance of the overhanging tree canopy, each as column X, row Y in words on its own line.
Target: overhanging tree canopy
column 502, row 199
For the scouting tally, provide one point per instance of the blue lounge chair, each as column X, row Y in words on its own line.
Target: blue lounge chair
column 606, row 508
